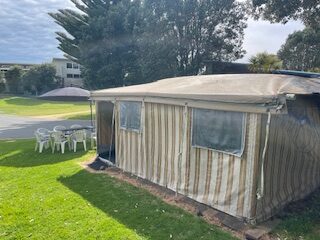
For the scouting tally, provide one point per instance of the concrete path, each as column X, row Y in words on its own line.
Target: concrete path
column 17, row 127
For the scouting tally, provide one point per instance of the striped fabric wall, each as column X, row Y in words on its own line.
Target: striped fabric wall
column 292, row 166
column 222, row 181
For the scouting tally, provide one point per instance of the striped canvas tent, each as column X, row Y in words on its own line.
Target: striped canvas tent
column 243, row 144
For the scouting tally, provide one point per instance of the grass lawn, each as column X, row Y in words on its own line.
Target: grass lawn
column 302, row 221
column 49, row 196
column 34, row 107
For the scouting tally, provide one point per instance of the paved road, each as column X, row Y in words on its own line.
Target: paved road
column 15, row 127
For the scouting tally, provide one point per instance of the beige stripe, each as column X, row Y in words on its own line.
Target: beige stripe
column 167, row 141
column 138, row 155
column 213, row 182
column 252, row 129
column 153, row 144
column 158, row 146
column 235, row 186
column 202, row 174
column 172, row 117
column 164, row 141
column 242, row 187
column 255, row 168
column 147, row 140
column 218, row 180
column 224, row 180
column 228, row 192
column 208, row 177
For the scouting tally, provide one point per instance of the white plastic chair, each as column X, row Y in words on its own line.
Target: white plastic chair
column 58, row 140
column 78, row 137
column 41, row 141
column 75, row 126
column 43, row 131
column 59, row 128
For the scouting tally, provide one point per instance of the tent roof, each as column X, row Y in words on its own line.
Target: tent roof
column 67, row 92
column 231, row 88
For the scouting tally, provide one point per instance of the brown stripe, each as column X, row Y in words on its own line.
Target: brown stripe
column 197, row 172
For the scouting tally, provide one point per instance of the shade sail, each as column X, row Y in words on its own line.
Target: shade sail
column 67, row 93
column 229, row 88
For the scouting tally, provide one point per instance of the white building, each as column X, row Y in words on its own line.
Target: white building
column 68, row 71
column 6, row 66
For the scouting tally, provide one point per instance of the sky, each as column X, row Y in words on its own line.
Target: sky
column 27, row 32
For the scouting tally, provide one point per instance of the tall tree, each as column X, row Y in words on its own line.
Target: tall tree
column 102, row 40
column 126, row 42
column 194, row 31
column 39, row 79
column 301, row 50
column 282, row 11
column 264, row 63
column 13, row 79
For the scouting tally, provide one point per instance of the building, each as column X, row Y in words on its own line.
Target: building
column 68, row 72
column 24, row 66
column 245, row 144
column 215, row 67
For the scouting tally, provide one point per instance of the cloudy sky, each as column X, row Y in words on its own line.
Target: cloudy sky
column 27, row 33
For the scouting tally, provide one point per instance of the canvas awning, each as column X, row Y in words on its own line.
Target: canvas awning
column 228, row 88
column 67, row 93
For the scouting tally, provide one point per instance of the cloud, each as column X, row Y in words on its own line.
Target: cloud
column 264, row 36
column 27, row 32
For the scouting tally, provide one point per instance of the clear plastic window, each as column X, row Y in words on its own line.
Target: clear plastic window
column 219, row 130
column 130, row 115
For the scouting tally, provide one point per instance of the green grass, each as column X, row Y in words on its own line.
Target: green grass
column 34, row 107
column 49, row 196
column 302, row 220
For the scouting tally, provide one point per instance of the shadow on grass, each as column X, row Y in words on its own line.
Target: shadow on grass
column 138, row 209
column 301, row 218
column 25, row 156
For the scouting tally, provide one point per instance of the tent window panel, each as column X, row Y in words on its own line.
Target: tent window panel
column 218, row 130
column 130, row 115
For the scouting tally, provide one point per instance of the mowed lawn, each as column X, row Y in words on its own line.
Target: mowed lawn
column 35, row 107
column 50, row 196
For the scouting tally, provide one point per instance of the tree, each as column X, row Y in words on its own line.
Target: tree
column 2, row 84
column 264, row 63
column 127, row 42
column 39, row 79
column 189, row 32
column 102, row 40
column 13, row 79
column 301, row 50
column 282, row 11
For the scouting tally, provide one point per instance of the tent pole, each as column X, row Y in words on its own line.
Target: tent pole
column 91, row 115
